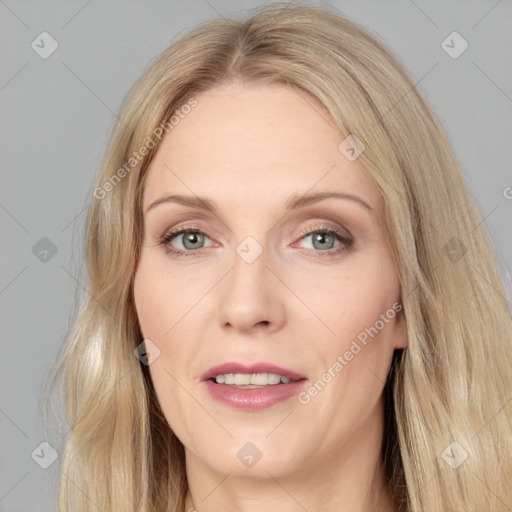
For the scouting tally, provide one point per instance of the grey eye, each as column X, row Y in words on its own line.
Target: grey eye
column 323, row 240
column 192, row 240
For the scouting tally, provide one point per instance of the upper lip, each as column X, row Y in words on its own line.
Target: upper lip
column 234, row 367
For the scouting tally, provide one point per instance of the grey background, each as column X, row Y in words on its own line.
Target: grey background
column 55, row 116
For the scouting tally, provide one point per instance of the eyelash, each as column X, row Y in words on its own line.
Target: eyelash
column 346, row 243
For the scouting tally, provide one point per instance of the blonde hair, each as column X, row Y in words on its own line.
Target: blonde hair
column 451, row 384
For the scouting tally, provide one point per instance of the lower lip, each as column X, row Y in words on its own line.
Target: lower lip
column 253, row 398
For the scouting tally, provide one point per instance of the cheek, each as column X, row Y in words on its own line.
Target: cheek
column 352, row 297
column 148, row 303
column 160, row 305
column 358, row 305
column 165, row 305
column 159, row 300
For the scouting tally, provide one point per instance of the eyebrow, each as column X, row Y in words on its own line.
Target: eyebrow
column 293, row 203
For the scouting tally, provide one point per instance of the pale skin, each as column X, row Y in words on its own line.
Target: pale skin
column 249, row 148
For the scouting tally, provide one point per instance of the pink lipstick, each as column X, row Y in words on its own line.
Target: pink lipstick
column 252, row 387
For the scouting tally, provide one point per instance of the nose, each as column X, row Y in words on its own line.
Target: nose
column 251, row 297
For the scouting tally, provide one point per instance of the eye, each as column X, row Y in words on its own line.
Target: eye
column 192, row 239
column 323, row 239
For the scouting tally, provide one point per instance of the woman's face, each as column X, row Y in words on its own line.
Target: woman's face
column 271, row 273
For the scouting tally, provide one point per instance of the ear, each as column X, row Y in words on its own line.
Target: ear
column 400, row 334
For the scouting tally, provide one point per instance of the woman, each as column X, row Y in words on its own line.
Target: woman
column 224, row 357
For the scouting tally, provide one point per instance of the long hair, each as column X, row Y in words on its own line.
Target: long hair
column 448, row 396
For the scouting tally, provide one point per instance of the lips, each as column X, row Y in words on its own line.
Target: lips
column 234, row 367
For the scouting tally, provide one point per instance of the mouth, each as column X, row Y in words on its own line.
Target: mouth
column 255, row 374
column 251, row 381
column 254, row 386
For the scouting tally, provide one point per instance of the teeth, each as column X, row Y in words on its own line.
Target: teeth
column 255, row 379
column 241, row 379
column 273, row 378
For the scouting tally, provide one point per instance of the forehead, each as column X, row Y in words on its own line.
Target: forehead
column 245, row 141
